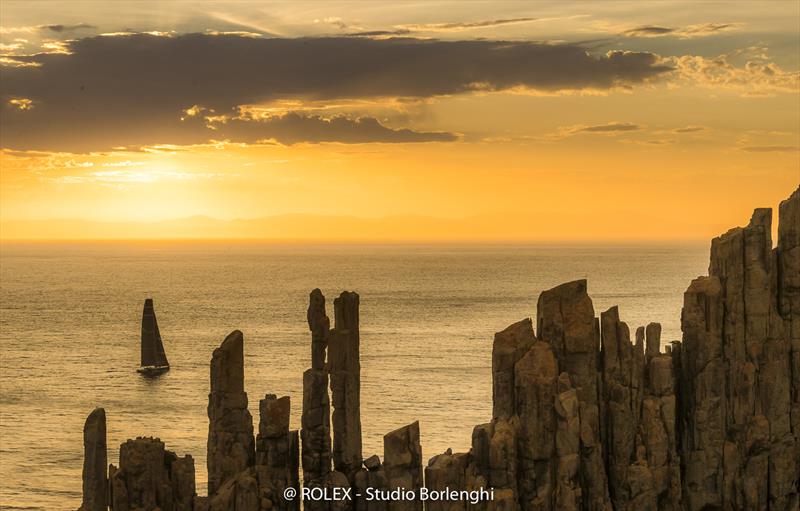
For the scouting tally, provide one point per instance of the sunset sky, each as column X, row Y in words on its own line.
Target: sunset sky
column 399, row 120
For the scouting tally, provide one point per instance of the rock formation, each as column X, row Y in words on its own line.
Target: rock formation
column 277, row 454
column 149, row 477
column 344, row 368
column 583, row 417
column 231, row 446
column 402, row 455
column 565, row 319
column 95, row 462
column 738, row 366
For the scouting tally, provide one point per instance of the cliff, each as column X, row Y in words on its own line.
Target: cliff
column 585, row 416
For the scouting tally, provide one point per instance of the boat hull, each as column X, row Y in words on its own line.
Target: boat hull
column 152, row 370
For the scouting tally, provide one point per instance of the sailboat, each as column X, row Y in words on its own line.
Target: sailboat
column 154, row 359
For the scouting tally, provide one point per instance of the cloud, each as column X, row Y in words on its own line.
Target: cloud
column 40, row 28
column 459, row 26
column 130, row 89
column 293, row 128
column 609, row 128
column 758, row 75
column 771, row 149
column 66, row 28
column 690, row 129
column 688, row 32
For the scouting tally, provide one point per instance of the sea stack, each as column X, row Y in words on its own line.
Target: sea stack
column 344, row 367
column 315, row 433
column 231, row 446
column 95, row 462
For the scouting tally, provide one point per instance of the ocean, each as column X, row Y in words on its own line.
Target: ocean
column 70, row 317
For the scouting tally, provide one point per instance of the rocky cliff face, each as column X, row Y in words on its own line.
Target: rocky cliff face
column 584, row 417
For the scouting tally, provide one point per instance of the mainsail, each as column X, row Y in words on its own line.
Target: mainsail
column 153, row 354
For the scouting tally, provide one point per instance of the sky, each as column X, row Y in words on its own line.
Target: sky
column 480, row 121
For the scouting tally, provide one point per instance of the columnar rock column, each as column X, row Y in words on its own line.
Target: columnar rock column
column 736, row 372
column 315, row 427
column 653, row 339
column 344, row 368
column 788, row 281
column 568, row 494
column 702, row 392
column 402, row 454
column 535, row 380
column 231, row 447
column 657, row 442
column 622, row 379
column 509, row 346
column 95, row 462
column 565, row 319
column 276, row 454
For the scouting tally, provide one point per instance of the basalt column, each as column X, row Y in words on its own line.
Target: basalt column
column 536, row 388
column 565, row 319
column 509, row 346
column 344, row 368
column 95, row 462
column 231, row 446
column 623, row 371
column 315, row 432
column 276, row 454
column 757, row 353
column 402, row 456
column 788, row 266
column 737, row 371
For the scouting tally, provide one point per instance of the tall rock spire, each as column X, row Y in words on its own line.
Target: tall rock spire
column 344, row 367
column 231, row 446
column 95, row 462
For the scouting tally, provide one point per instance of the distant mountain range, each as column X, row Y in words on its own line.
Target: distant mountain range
column 304, row 227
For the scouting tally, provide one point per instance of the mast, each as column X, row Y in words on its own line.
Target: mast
column 152, row 348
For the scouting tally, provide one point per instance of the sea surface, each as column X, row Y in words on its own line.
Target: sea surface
column 70, row 317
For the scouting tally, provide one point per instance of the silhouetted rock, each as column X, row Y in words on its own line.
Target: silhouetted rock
column 95, row 462
column 276, row 453
column 402, row 462
column 315, row 432
column 150, row 478
column 582, row 419
column 320, row 325
column 231, row 446
column 345, row 379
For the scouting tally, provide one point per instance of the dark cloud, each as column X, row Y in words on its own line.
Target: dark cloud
column 771, row 149
column 648, row 31
column 688, row 32
column 130, row 89
column 611, row 127
column 293, row 128
column 380, row 33
column 66, row 28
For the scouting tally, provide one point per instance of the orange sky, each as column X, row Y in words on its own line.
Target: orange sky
column 584, row 127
